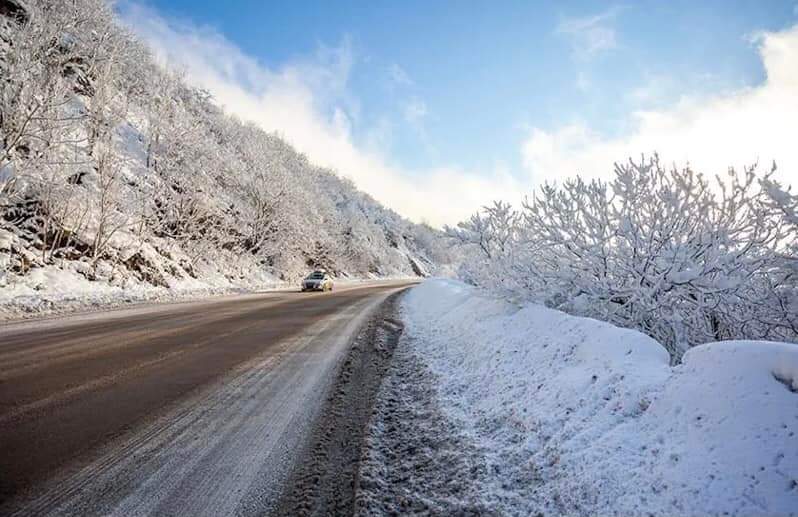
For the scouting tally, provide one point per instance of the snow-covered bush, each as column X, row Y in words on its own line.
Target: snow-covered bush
column 684, row 259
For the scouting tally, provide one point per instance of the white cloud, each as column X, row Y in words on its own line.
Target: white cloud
column 711, row 133
column 309, row 104
column 590, row 35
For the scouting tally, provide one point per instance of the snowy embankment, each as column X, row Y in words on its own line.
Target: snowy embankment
column 76, row 285
column 51, row 291
column 54, row 290
column 575, row 416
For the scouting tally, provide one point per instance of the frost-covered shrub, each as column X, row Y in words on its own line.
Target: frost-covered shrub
column 667, row 251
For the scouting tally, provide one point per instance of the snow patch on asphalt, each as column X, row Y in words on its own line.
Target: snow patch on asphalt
column 325, row 477
column 563, row 415
column 415, row 461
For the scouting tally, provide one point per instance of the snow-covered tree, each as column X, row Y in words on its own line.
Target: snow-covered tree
column 665, row 250
column 115, row 167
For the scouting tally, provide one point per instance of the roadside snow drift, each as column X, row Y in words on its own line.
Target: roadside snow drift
column 577, row 416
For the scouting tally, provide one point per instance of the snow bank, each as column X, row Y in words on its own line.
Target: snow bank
column 576, row 416
column 63, row 289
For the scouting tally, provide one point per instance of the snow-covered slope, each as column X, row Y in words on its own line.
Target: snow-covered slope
column 575, row 416
column 117, row 176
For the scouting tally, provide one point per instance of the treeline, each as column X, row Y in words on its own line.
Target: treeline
column 113, row 162
column 684, row 258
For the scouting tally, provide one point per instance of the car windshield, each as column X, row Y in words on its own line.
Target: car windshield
column 316, row 275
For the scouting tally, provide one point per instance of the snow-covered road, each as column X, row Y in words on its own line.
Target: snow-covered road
column 206, row 424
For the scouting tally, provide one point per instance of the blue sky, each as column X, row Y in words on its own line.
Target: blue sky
column 465, row 87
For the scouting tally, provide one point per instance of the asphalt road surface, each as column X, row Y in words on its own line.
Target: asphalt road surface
column 191, row 409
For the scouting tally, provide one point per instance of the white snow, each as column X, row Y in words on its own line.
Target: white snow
column 63, row 289
column 577, row 416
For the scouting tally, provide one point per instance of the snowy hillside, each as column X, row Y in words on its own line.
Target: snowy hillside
column 560, row 415
column 117, row 177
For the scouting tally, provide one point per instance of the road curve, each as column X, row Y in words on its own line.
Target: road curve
column 188, row 408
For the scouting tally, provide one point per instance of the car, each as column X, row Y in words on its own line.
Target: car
column 318, row 280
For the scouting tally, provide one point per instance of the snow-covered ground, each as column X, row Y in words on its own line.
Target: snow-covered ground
column 574, row 416
column 61, row 289
column 56, row 290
